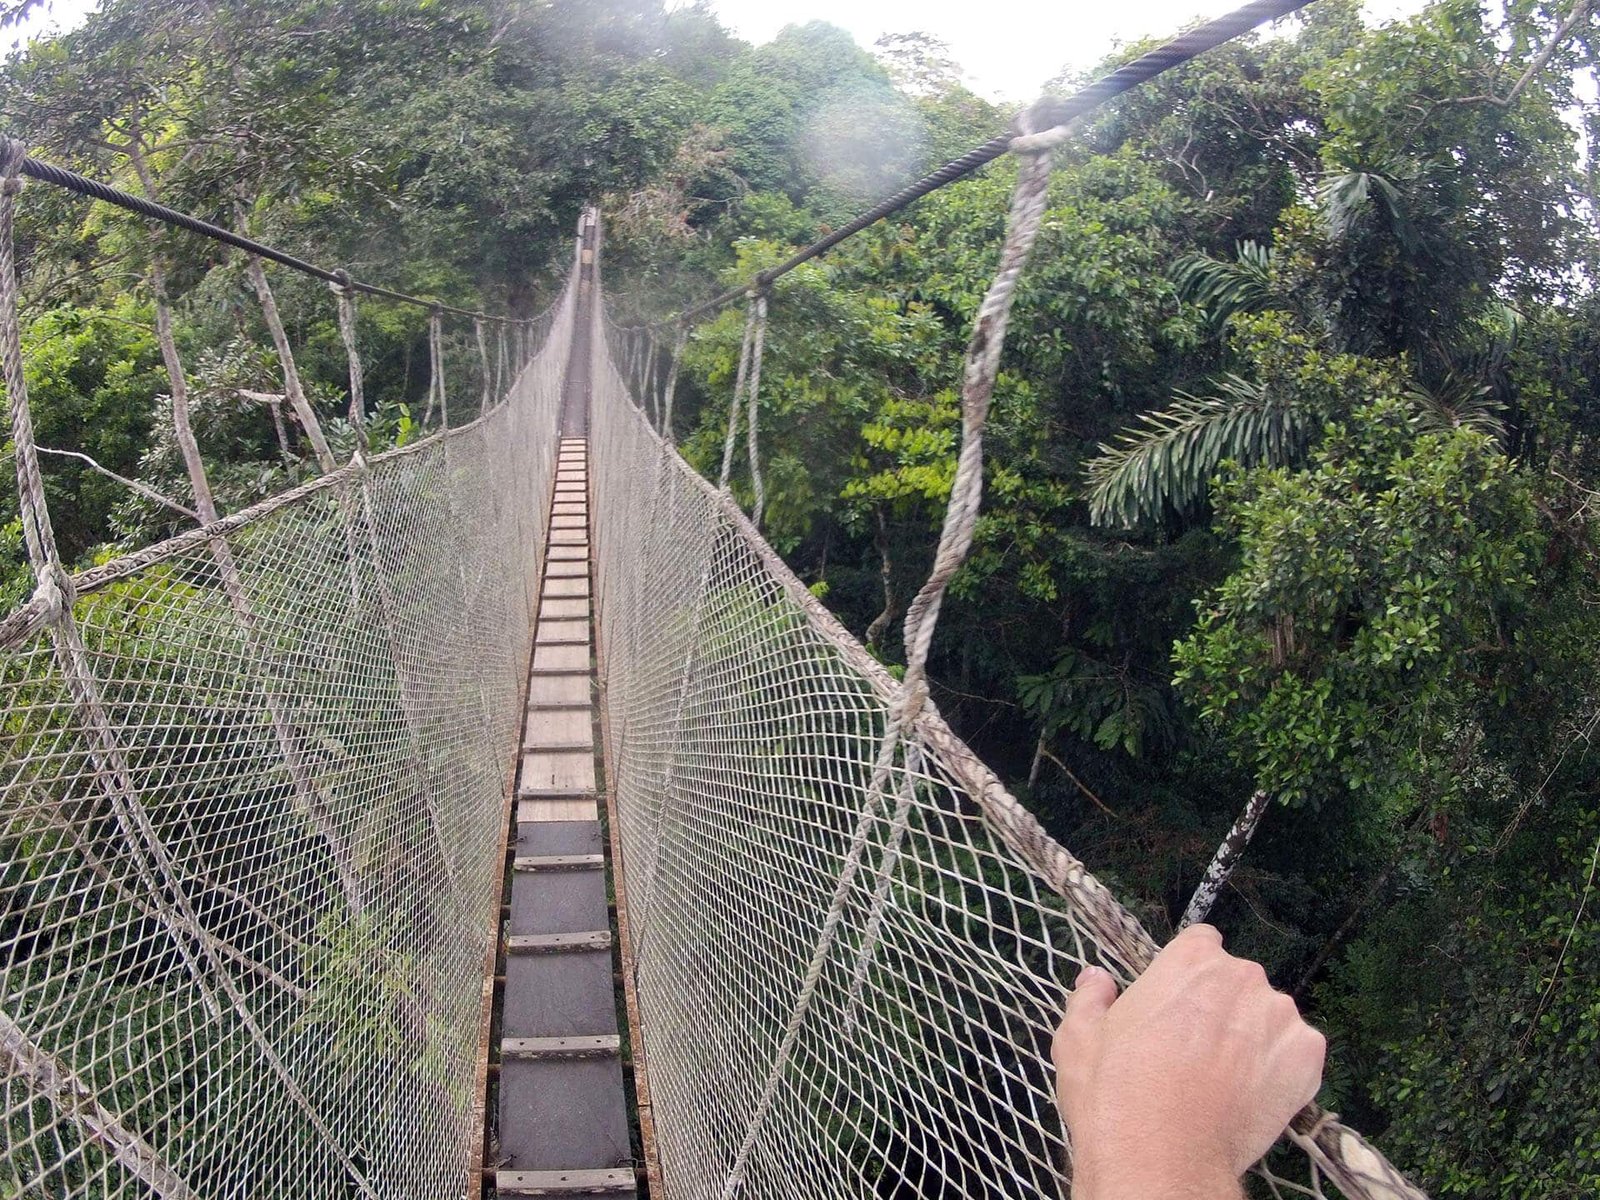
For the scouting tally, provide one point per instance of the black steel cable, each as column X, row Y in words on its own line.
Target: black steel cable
column 1141, row 70
column 73, row 182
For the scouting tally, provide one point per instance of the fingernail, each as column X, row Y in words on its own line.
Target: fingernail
column 1087, row 974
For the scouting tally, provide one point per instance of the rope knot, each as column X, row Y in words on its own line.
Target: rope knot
column 12, row 152
column 341, row 281
column 50, row 594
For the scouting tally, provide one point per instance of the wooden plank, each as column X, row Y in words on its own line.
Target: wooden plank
column 566, row 585
column 567, row 567
column 558, row 727
column 574, row 608
column 561, row 658
column 559, row 691
column 558, row 862
column 569, row 537
column 569, row 508
column 558, row 943
column 567, row 554
column 558, row 770
column 569, row 521
column 552, row 631
column 597, row 1045
column 537, row 809
column 557, row 995
column 612, row 1182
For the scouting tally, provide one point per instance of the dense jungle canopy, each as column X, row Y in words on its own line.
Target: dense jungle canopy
column 1293, row 461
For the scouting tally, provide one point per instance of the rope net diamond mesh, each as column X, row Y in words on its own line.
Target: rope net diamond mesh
column 243, row 932
column 849, row 949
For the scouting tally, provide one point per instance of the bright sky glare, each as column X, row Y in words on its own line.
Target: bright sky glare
column 1009, row 48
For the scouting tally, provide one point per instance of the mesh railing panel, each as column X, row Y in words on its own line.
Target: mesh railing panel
column 813, row 1030
column 245, row 912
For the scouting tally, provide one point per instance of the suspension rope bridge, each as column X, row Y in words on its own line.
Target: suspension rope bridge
column 266, row 783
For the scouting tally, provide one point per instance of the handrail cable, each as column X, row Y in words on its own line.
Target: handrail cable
column 73, row 182
column 1058, row 113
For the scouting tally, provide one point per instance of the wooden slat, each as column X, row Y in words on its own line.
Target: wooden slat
column 570, row 688
column 614, row 1182
column 561, row 770
column 600, row 1045
column 566, row 567
column 558, row 862
column 561, row 658
column 569, row 521
column 553, row 632
column 558, row 943
column 558, row 726
column 571, row 585
column 533, row 809
column 567, row 608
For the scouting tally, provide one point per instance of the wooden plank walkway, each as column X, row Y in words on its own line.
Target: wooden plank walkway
column 563, row 1118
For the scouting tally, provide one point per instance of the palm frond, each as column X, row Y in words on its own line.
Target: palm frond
column 1459, row 402
column 1165, row 463
column 1224, row 288
column 1343, row 197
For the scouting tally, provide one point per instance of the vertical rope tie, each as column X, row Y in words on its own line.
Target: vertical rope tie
column 436, row 394
column 672, row 384
column 753, row 425
column 501, row 382
column 649, row 382
column 483, row 365
column 347, row 332
column 738, row 394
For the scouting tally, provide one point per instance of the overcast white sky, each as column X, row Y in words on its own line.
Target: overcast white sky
column 1009, row 48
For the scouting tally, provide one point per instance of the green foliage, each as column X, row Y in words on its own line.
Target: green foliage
column 1380, row 589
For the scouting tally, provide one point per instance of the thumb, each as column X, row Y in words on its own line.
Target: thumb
column 1086, row 1009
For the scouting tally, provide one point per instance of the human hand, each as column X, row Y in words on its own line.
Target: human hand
column 1171, row 1090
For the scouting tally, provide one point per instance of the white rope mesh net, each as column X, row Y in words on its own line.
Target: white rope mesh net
column 849, row 950
column 223, row 975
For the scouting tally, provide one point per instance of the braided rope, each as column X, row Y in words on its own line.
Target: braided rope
column 483, row 363
column 753, row 426
column 347, row 333
column 436, row 370
column 672, row 384
column 738, row 392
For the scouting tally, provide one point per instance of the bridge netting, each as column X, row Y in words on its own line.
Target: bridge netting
column 849, row 944
column 255, row 788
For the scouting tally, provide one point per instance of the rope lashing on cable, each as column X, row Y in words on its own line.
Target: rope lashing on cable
column 436, row 371
column 650, row 381
column 483, row 366
column 501, row 380
column 734, row 405
column 678, row 344
column 753, row 396
column 746, row 387
column 347, row 333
